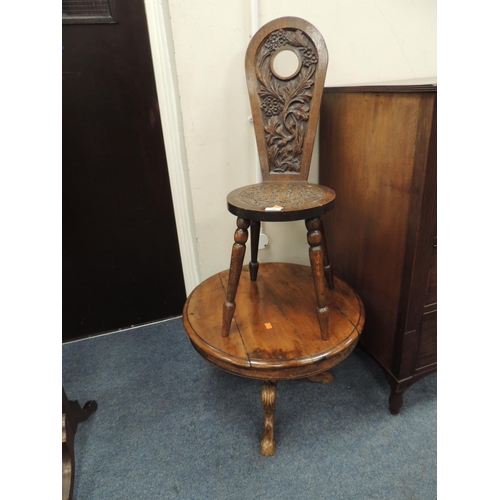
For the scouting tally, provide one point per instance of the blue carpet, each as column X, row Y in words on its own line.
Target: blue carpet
column 171, row 426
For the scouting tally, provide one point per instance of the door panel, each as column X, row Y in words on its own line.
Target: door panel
column 121, row 259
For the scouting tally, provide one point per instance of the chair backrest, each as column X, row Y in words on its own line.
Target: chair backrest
column 285, row 66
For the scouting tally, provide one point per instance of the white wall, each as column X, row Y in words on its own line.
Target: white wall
column 368, row 41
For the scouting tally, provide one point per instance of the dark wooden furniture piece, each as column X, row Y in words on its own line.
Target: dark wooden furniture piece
column 285, row 104
column 288, row 324
column 378, row 151
column 275, row 334
column 72, row 415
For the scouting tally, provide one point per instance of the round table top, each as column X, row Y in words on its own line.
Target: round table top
column 275, row 333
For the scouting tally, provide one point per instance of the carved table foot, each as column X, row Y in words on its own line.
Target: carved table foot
column 322, row 378
column 79, row 414
column 268, row 444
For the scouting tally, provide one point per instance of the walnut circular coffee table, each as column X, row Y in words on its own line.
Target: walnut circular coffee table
column 274, row 334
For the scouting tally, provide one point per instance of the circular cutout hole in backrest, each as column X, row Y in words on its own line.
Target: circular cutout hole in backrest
column 285, row 63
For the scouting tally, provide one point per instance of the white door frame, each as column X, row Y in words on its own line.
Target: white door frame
column 162, row 49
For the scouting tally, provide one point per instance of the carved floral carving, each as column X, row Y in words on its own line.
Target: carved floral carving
column 285, row 102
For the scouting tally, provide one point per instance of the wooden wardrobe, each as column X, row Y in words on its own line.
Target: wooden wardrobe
column 378, row 153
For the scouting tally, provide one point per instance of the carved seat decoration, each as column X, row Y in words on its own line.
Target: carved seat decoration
column 292, row 321
column 285, row 194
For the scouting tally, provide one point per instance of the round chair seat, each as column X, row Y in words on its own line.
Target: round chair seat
column 280, row 201
column 274, row 334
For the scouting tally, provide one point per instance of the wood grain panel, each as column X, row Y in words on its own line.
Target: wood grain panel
column 371, row 160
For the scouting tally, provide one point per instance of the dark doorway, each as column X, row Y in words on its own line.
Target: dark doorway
column 121, row 259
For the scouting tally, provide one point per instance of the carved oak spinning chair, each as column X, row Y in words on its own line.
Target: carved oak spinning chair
column 285, row 102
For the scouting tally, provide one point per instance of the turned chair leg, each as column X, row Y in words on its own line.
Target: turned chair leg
column 254, row 246
column 326, row 259
column 237, row 256
column 316, row 257
column 268, row 445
